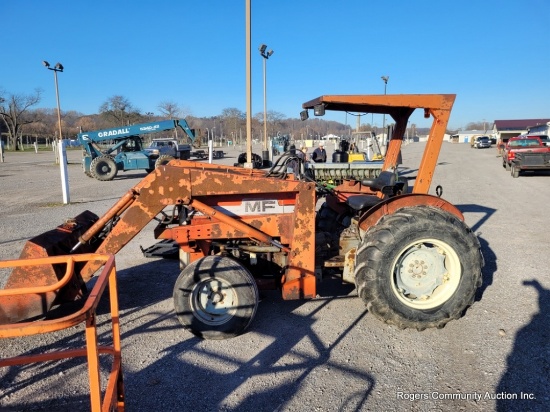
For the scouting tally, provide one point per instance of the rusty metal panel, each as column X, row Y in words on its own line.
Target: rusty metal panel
column 299, row 280
column 382, row 103
column 274, row 226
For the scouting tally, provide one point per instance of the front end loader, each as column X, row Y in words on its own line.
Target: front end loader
column 413, row 260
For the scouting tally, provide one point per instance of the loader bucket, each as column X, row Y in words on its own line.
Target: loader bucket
column 52, row 243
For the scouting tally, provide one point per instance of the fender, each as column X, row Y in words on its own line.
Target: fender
column 391, row 205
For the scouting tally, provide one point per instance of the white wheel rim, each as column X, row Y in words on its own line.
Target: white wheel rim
column 425, row 274
column 214, row 301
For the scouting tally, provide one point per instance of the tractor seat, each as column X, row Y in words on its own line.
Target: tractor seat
column 360, row 202
column 385, row 183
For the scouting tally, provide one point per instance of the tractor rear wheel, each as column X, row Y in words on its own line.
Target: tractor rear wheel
column 163, row 160
column 215, row 297
column 418, row 268
column 103, row 168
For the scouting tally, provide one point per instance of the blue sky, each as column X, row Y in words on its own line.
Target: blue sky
column 493, row 54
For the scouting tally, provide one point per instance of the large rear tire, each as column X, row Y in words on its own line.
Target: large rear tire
column 215, row 297
column 418, row 268
column 103, row 168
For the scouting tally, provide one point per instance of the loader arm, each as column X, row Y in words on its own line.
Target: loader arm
column 191, row 184
column 202, row 188
column 169, row 185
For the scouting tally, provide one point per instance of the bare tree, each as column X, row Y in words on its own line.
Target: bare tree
column 234, row 119
column 477, row 126
column 119, row 111
column 169, row 109
column 275, row 120
column 45, row 124
column 87, row 123
column 14, row 111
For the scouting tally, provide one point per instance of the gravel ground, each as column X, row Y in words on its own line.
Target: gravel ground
column 324, row 354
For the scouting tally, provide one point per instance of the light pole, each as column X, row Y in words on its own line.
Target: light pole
column 2, row 100
column 60, row 151
column 385, row 80
column 266, row 56
column 57, row 68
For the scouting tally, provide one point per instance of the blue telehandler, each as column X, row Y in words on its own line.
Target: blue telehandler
column 107, row 151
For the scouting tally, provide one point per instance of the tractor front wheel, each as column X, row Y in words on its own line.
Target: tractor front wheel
column 215, row 297
column 103, row 168
column 418, row 268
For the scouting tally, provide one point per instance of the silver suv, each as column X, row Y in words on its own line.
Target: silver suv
column 482, row 142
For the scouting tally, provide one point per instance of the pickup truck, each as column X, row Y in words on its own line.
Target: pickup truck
column 529, row 161
column 522, row 144
column 170, row 147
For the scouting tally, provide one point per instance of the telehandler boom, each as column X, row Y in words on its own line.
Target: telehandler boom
column 413, row 260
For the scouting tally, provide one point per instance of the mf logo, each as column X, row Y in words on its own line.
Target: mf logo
column 259, row 206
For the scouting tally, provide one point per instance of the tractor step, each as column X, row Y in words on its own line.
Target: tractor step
column 167, row 249
column 336, row 262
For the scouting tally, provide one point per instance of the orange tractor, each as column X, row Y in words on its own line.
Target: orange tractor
column 413, row 260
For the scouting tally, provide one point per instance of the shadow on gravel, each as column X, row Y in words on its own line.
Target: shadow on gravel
column 403, row 171
column 488, row 212
column 192, row 374
column 527, row 377
column 183, row 372
column 489, row 256
column 488, row 271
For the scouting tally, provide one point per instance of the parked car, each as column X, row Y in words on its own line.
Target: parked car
column 481, row 142
column 523, row 143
